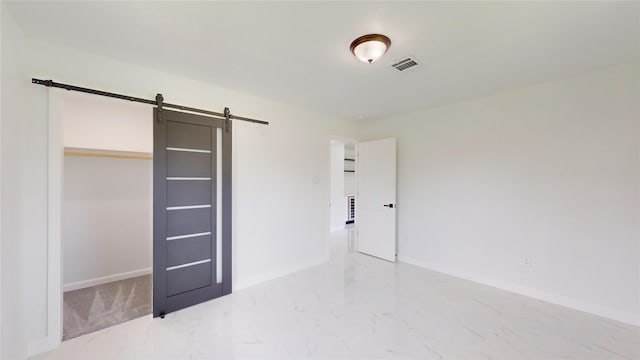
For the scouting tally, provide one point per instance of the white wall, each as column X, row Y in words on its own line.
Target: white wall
column 12, row 103
column 95, row 122
column 280, row 207
column 338, row 208
column 107, row 220
column 349, row 183
column 549, row 171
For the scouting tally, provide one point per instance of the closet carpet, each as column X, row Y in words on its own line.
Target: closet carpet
column 97, row 307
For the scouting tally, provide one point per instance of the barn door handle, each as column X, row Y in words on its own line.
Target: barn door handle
column 389, row 205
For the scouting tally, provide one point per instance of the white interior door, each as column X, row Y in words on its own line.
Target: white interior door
column 376, row 198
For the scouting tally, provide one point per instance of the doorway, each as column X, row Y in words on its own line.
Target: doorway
column 363, row 192
column 106, row 223
column 110, row 269
column 343, row 212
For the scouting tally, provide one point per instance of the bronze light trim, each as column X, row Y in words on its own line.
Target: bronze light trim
column 370, row 37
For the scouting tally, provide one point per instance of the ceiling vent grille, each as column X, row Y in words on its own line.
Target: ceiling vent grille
column 405, row 64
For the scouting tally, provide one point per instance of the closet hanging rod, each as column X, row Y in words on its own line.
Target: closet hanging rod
column 108, row 155
column 51, row 83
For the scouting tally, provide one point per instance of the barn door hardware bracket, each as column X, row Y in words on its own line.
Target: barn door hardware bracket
column 159, row 103
column 227, row 119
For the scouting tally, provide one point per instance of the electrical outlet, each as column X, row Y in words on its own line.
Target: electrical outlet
column 528, row 261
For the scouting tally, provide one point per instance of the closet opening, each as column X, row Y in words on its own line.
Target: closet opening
column 107, row 212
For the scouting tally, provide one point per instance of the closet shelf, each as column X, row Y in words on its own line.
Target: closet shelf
column 69, row 151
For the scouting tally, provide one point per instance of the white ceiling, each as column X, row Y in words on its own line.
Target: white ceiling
column 298, row 52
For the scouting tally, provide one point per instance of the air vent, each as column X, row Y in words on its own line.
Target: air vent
column 405, row 64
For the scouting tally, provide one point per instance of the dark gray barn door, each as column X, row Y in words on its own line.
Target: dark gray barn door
column 191, row 210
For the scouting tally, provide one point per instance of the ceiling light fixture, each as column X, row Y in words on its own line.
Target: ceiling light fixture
column 369, row 48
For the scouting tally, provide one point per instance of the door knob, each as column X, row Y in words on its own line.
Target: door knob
column 389, row 205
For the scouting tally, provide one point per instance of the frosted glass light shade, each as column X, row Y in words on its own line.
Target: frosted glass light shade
column 369, row 48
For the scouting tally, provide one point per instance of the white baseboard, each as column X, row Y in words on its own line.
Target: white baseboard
column 604, row 311
column 242, row 284
column 105, row 279
column 42, row 345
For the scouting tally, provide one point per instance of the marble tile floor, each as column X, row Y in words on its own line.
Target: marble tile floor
column 359, row 307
